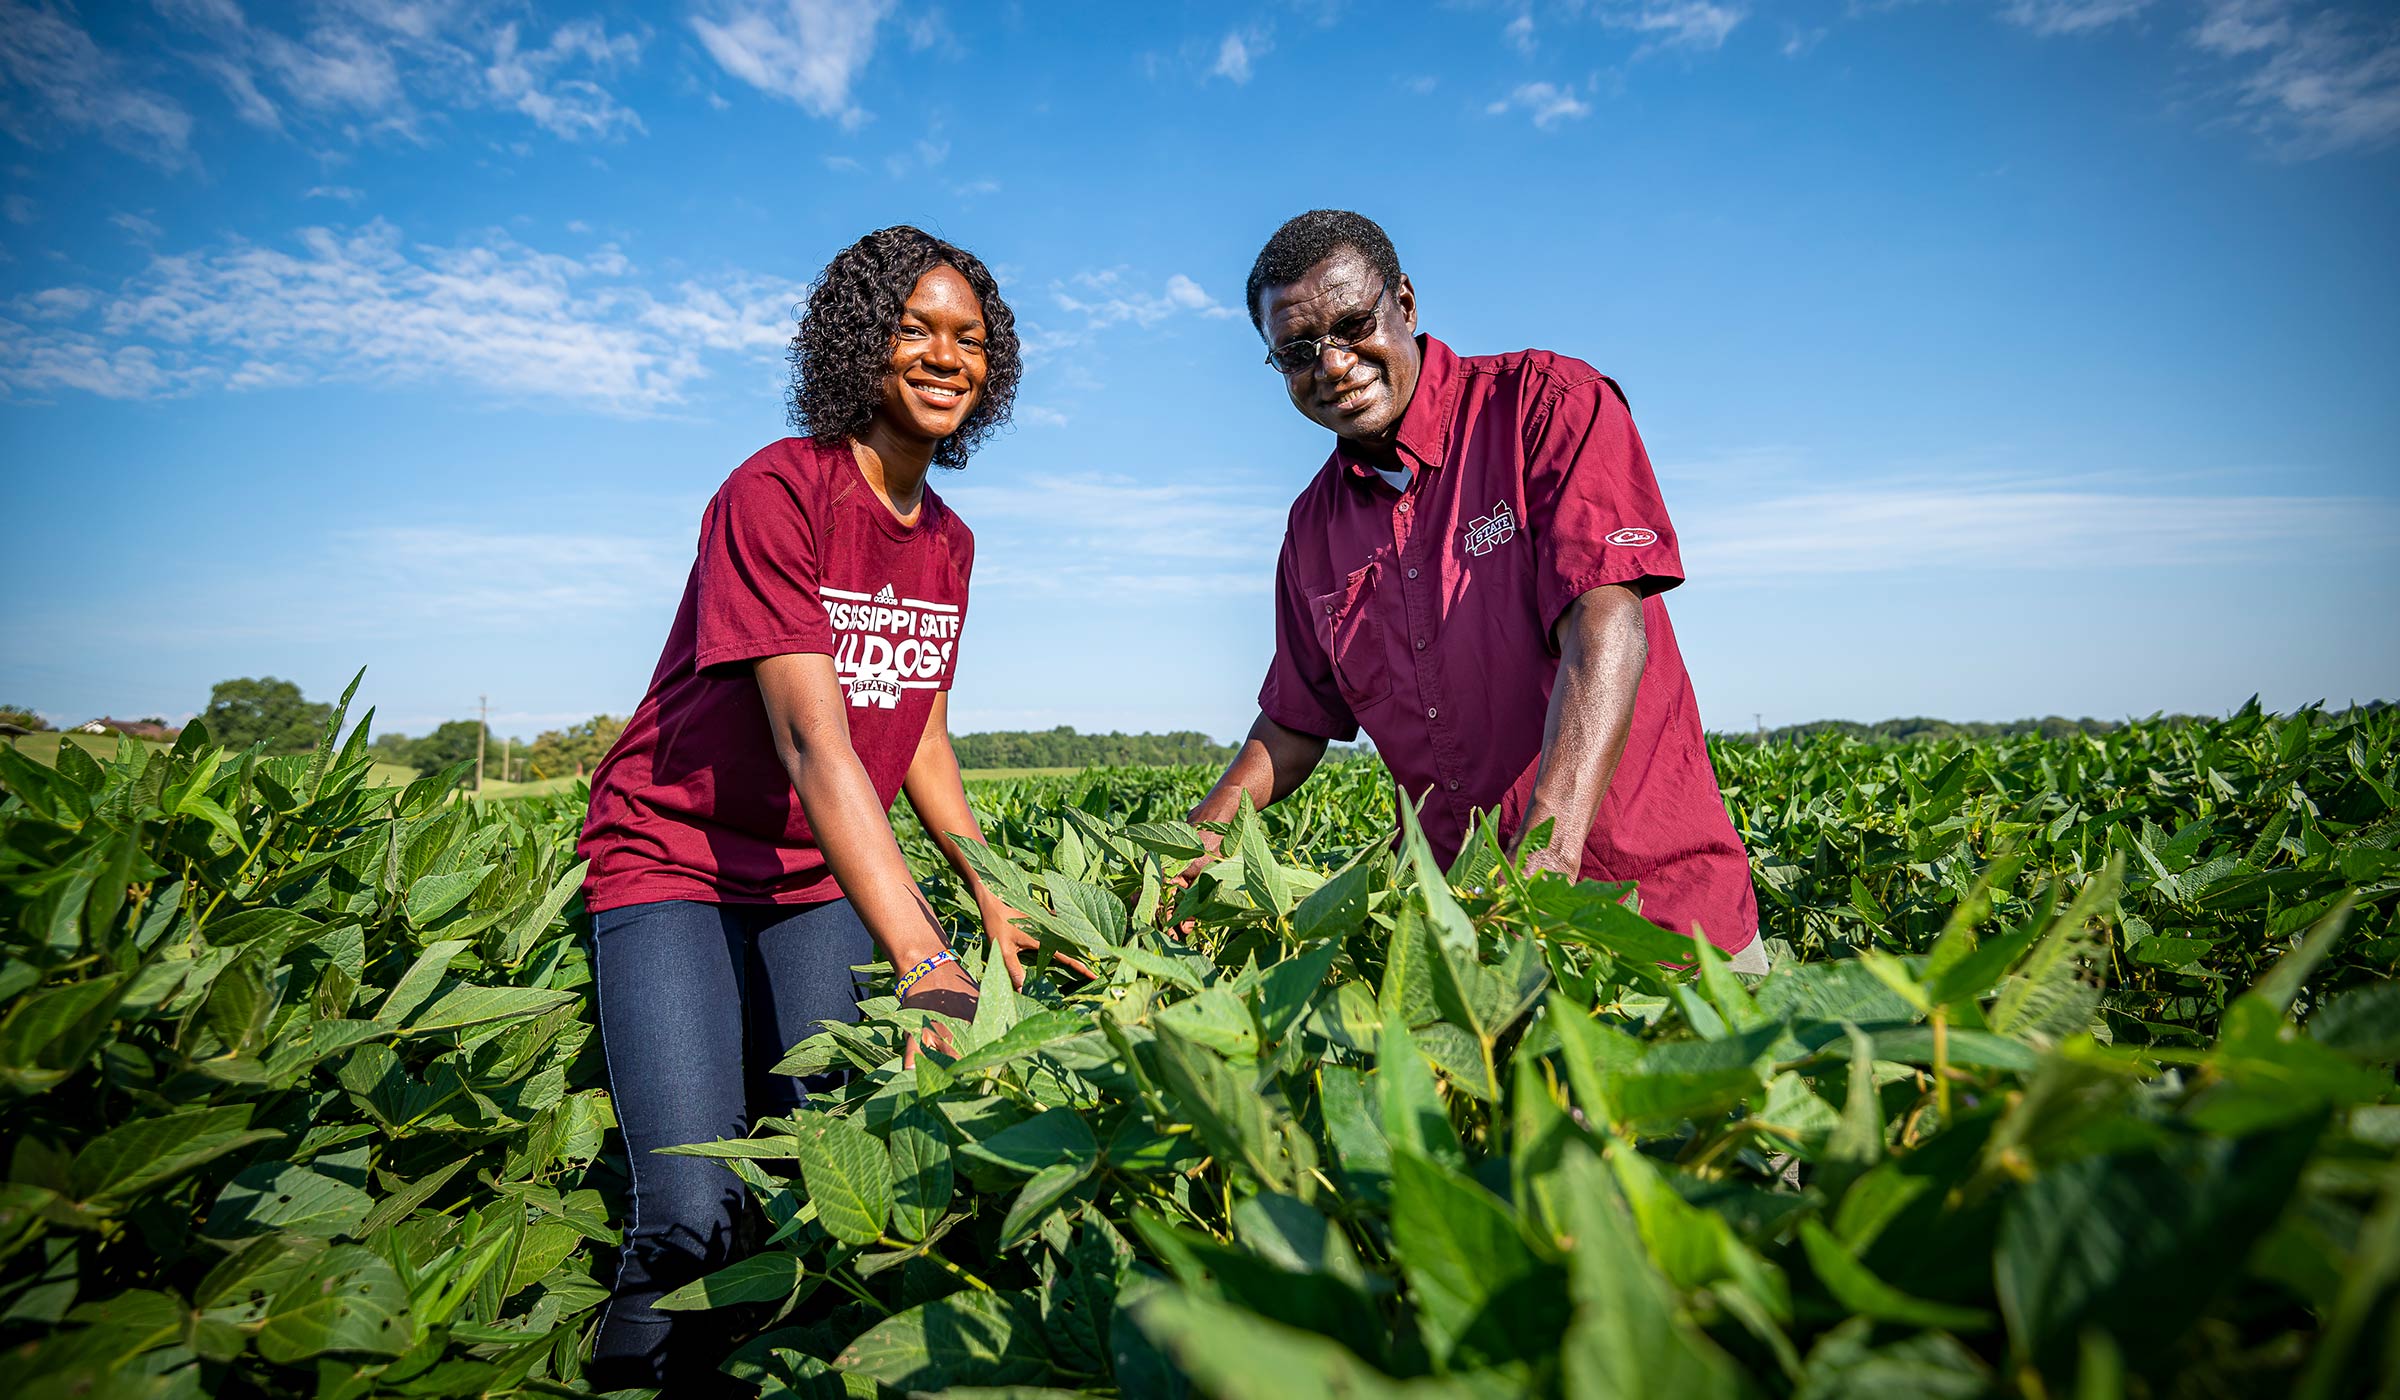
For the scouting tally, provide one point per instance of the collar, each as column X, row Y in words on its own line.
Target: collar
column 1425, row 423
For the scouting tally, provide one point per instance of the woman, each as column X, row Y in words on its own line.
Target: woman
column 742, row 860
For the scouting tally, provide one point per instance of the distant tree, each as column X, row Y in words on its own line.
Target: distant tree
column 1064, row 748
column 23, row 718
column 453, row 742
column 575, row 750
column 395, row 748
column 264, row 710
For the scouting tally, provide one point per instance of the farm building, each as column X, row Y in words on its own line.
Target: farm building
column 152, row 728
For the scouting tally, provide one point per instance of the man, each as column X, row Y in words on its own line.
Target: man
column 1474, row 577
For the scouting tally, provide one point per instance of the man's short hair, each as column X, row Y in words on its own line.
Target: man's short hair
column 1311, row 238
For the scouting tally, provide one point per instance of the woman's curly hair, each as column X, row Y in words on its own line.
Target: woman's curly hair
column 843, row 351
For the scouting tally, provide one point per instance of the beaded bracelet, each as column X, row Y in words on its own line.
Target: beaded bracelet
column 918, row 973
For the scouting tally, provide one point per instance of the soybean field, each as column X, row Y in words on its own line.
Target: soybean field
column 2073, row 1077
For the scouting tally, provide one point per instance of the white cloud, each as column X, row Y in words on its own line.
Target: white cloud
column 1691, row 24
column 923, row 154
column 1239, row 50
column 140, row 229
column 366, row 305
column 241, row 88
column 347, row 194
column 2311, row 80
column 1040, row 415
column 1548, row 104
column 570, row 108
column 2017, row 527
column 57, row 303
column 1422, row 84
column 1063, row 534
column 2070, row 16
column 77, row 86
column 930, row 31
column 2231, row 27
column 807, row 52
column 336, row 69
column 367, row 67
column 1103, row 299
column 1519, row 35
column 2322, row 81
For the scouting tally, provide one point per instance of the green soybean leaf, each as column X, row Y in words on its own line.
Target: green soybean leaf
column 432, row 896
column 346, row 1300
column 145, row 1153
column 1861, row 1292
column 280, row 1196
column 922, row 1180
column 849, row 1177
column 761, row 1278
column 475, row 1006
column 969, row 1338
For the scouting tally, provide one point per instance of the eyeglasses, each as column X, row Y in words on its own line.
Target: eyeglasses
column 1300, row 352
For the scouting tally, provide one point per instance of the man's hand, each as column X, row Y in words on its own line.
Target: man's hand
column 1560, row 857
column 1004, row 926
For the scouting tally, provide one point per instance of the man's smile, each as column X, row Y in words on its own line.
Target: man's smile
column 1352, row 399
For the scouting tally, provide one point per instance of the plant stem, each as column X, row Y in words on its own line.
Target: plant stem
column 923, row 1249
column 1941, row 1062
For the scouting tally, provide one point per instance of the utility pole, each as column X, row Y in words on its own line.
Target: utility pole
column 483, row 712
column 507, row 774
column 1760, row 720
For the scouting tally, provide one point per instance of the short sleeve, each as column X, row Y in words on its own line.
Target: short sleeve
column 756, row 579
column 962, row 556
column 1593, row 504
column 1300, row 693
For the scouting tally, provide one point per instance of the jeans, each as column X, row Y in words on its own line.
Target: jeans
column 696, row 1003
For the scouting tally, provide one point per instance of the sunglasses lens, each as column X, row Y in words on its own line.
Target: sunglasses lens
column 1291, row 359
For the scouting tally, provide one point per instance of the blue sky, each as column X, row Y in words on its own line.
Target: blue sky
column 1997, row 359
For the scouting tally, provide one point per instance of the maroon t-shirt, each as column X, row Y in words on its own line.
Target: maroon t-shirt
column 797, row 554
column 1429, row 618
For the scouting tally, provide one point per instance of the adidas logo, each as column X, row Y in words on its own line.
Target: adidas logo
column 886, row 596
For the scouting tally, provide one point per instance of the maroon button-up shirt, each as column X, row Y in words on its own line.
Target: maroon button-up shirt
column 1428, row 617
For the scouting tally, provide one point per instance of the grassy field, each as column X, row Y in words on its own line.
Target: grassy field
column 43, row 749
column 997, row 775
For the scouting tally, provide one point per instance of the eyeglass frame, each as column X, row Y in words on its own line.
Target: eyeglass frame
column 1317, row 343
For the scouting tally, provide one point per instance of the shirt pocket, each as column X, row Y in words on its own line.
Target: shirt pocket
column 1353, row 636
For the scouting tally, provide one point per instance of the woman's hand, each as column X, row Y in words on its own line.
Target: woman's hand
column 1213, row 851
column 949, row 990
column 1016, row 943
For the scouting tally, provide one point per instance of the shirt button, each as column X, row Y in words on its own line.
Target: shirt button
column 1412, row 573
column 1431, row 713
column 1454, row 784
column 1404, row 505
column 1420, row 643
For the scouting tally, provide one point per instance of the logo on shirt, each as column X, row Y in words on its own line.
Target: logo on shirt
column 1633, row 537
column 1490, row 531
column 885, row 645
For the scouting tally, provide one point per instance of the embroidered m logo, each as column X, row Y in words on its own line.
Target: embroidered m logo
column 1490, row 531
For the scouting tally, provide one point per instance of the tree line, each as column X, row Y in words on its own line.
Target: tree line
column 266, row 710
column 1064, row 748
